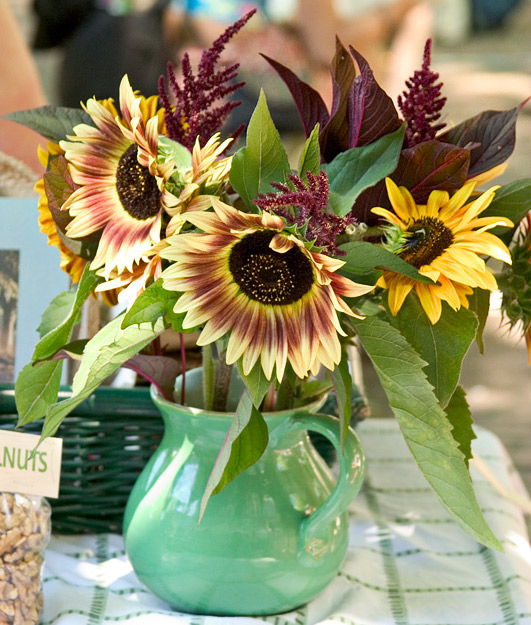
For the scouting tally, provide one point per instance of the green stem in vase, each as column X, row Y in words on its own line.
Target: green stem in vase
column 284, row 396
column 208, row 377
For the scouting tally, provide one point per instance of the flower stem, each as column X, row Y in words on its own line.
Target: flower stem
column 222, row 376
column 208, row 377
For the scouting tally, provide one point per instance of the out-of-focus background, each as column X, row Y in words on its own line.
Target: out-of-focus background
column 481, row 49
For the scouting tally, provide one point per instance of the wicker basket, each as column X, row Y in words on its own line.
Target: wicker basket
column 107, row 441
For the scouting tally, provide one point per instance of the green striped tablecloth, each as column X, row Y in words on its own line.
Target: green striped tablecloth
column 407, row 564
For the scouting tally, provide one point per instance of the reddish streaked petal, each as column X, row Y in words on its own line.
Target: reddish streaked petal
column 243, row 333
column 281, row 244
column 270, row 344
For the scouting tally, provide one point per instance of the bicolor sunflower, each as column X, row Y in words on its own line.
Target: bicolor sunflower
column 246, row 277
column 121, row 187
column 445, row 240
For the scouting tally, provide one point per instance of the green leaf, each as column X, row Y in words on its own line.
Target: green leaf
column 256, row 382
column 479, row 304
column 106, row 352
column 459, row 415
column 56, row 338
column 262, row 161
column 357, row 169
column 310, row 160
column 171, row 150
column 244, row 444
column 424, row 424
column 513, row 201
column 443, row 345
column 363, row 262
column 52, row 122
column 56, row 312
column 342, row 382
column 36, row 389
column 153, row 303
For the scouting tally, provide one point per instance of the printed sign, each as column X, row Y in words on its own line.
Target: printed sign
column 27, row 468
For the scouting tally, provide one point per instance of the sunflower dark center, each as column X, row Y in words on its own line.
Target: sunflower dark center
column 267, row 276
column 427, row 239
column 137, row 188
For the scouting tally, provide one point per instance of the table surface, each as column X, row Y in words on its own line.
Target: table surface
column 408, row 563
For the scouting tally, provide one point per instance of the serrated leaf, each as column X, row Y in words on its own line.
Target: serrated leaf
column 513, row 201
column 459, row 415
column 424, row 424
column 492, row 135
column 73, row 350
column 153, row 303
column 311, row 107
column 52, row 122
column 159, row 370
column 342, row 382
column 256, row 382
column 56, row 338
column 59, row 186
column 355, row 170
column 106, row 352
column 363, row 262
column 262, row 161
column 372, row 112
column 36, row 388
column 56, row 312
column 443, row 345
column 244, row 444
column 479, row 304
column 310, row 160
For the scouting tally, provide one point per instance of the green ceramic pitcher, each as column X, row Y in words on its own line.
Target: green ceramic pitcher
column 269, row 542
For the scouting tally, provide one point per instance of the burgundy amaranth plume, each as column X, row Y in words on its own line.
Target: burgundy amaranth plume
column 422, row 103
column 194, row 114
column 311, row 201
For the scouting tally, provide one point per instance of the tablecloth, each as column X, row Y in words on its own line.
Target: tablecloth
column 408, row 563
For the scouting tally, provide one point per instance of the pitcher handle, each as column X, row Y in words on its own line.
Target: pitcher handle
column 351, row 472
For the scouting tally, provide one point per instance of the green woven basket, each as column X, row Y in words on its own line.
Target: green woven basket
column 107, row 441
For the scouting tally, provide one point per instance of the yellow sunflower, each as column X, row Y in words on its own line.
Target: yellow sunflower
column 121, row 187
column 247, row 277
column 444, row 240
column 70, row 263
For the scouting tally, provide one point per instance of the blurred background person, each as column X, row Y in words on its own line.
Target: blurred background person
column 20, row 88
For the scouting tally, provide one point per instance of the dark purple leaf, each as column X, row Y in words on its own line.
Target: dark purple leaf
column 334, row 137
column 422, row 169
column 372, row 113
column 310, row 105
column 492, row 132
column 159, row 370
column 368, row 199
column 432, row 165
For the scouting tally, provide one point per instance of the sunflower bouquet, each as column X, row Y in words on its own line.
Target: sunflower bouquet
column 378, row 237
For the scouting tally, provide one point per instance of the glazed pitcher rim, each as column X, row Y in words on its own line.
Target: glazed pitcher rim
column 194, row 410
